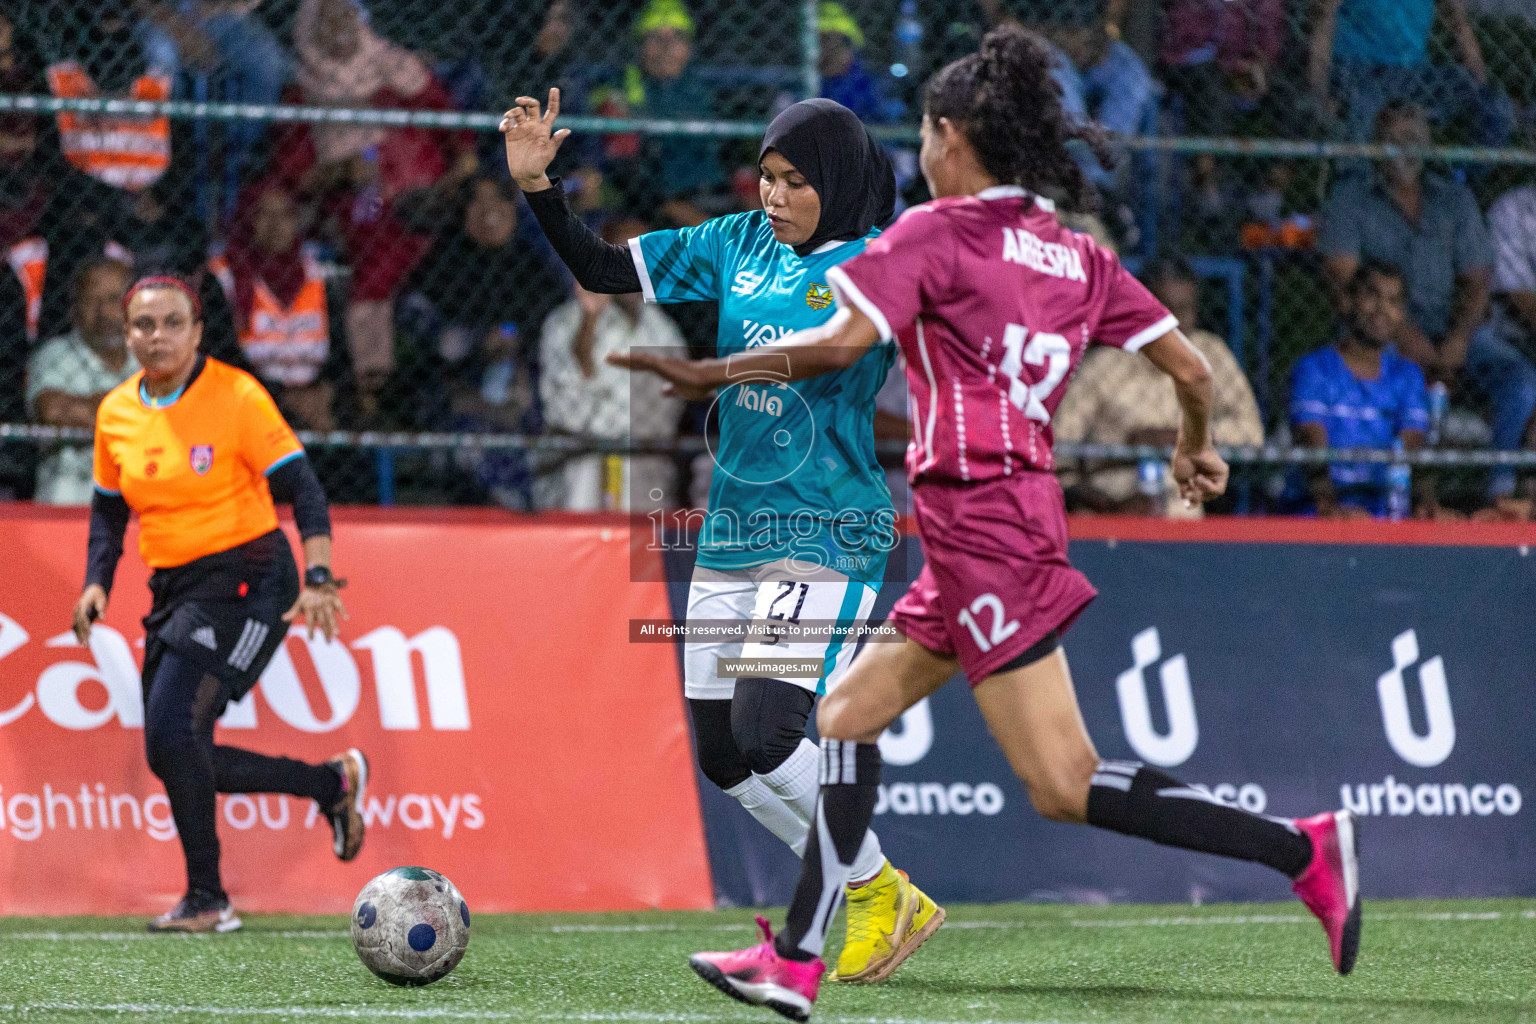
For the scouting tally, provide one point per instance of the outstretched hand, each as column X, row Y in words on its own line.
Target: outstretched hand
column 531, row 140
column 682, row 375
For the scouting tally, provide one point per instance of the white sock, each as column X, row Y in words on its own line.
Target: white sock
column 769, row 808
column 870, row 861
column 797, row 782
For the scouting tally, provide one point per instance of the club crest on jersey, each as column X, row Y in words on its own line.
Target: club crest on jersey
column 756, row 334
column 818, row 297
column 202, row 458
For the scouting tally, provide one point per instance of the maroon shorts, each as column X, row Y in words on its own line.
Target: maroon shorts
column 996, row 579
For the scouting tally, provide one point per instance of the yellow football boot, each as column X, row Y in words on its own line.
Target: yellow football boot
column 888, row 918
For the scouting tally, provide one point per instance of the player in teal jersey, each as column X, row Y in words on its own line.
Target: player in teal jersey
column 799, row 521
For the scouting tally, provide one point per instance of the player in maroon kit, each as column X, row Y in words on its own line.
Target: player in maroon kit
column 993, row 304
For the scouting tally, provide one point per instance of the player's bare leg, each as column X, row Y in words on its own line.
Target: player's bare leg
column 1032, row 712
column 784, row 973
column 886, row 680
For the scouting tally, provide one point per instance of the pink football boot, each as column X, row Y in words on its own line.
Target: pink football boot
column 1330, row 886
column 761, row 977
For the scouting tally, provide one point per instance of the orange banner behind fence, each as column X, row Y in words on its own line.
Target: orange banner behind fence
column 519, row 744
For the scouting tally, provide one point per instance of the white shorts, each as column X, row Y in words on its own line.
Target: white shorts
column 784, row 589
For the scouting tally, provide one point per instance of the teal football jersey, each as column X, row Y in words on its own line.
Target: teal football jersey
column 795, row 472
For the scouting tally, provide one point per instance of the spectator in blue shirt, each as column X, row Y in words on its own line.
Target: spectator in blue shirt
column 1374, row 51
column 843, row 76
column 1358, row 393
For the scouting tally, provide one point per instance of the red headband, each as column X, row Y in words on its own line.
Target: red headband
column 165, row 282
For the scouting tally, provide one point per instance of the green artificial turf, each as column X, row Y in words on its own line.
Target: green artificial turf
column 1419, row 962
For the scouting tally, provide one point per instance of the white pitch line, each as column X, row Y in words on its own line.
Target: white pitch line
column 621, row 929
column 1083, row 922
column 559, row 929
column 134, row 936
column 349, row 1013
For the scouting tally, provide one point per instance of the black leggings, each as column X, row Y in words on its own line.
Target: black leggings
column 181, row 705
column 752, row 733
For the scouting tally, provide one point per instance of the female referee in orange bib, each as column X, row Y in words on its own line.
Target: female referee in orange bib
column 199, row 451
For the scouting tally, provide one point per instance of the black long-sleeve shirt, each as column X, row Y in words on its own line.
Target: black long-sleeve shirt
column 598, row 266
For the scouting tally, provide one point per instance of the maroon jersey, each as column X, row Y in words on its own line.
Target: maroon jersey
column 993, row 303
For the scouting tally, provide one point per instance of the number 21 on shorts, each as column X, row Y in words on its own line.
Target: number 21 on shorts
column 1002, row 627
column 1049, row 350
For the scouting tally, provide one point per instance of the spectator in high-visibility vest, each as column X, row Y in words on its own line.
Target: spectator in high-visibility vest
column 681, row 177
column 843, row 75
column 277, row 293
column 124, row 152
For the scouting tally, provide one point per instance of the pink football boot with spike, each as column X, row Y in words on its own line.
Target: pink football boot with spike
column 1330, row 886
column 761, row 977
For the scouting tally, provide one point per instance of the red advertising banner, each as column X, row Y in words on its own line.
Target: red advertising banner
column 518, row 742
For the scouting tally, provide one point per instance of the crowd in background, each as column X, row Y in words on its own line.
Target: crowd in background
column 386, row 277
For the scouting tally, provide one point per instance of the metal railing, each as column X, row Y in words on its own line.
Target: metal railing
column 728, row 129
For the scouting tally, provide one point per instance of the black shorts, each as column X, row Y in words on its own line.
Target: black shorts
column 224, row 611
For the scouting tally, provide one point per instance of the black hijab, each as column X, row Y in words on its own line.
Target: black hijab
column 843, row 162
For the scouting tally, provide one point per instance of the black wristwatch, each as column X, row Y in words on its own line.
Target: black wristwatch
column 318, row 576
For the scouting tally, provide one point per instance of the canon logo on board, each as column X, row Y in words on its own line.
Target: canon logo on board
column 110, row 663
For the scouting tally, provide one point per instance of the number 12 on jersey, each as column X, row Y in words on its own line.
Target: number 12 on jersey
column 1049, row 350
column 1002, row 626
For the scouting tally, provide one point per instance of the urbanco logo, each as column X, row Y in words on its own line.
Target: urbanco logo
column 1176, row 745
column 908, row 741
column 56, row 693
column 1439, row 739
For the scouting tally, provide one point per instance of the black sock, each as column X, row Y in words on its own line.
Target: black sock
column 1131, row 798
column 850, row 785
column 245, row 771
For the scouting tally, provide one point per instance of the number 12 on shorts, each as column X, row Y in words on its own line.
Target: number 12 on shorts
column 1049, row 350
column 1002, row 627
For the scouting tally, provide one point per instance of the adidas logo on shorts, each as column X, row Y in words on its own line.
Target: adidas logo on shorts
column 249, row 644
column 204, row 635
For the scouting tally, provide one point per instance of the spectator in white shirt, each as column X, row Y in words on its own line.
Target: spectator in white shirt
column 584, row 395
column 68, row 376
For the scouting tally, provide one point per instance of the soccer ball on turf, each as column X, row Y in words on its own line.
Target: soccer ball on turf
column 410, row 926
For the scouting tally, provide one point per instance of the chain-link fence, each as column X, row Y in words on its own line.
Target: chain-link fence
column 328, row 174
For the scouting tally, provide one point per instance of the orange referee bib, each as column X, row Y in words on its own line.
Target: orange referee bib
column 129, row 152
column 287, row 344
column 193, row 466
